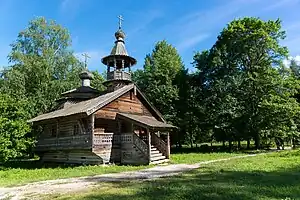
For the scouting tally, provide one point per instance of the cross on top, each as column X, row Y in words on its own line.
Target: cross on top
column 86, row 56
column 120, row 21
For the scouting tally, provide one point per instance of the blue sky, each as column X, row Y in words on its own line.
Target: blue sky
column 188, row 25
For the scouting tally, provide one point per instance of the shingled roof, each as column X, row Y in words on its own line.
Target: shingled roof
column 90, row 106
column 147, row 121
column 85, row 107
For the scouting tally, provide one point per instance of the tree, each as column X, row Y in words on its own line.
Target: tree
column 43, row 66
column 243, row 80
column 295, row 67
column 157, row 78
column 97, row 81
column 13, row 128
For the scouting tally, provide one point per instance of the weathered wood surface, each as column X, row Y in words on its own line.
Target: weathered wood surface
column 130, row 153
column 127, row 103
column 140, row 145
column 78, row 157
column 105, row 126
column 63, row 143
column 65, row 127
column 160, row 144
column 118, row 75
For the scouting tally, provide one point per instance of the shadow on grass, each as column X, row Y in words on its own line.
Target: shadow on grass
column 206, row 184
column 31, row 164
column 215, row 149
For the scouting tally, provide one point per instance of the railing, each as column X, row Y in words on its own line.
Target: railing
column 140, row 144
column 103, row 138
column 118, row 75
column 61, row 143
column 159, row 144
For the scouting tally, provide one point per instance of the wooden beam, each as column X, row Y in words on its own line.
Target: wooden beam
column 149, row 144
column 91, row 126
column 168, row 146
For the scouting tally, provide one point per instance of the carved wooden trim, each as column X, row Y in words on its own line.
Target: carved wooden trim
column 60, row 143
column 140, row 145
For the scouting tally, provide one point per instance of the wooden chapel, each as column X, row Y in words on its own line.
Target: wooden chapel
column 117, row 126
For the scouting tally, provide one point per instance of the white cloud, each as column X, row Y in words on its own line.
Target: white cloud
column 192, row 41
column 287, row 62
column 144, row 19
column 195, row 27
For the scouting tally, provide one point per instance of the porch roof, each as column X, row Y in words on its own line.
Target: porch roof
column 143, row 120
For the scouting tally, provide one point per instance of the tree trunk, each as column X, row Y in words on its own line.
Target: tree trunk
column 257, row 141
column 191, row 142
column 277, row 142
column 239, row 144
column 230, row 145
column 293, row 143
column 248, row 144
column 223, row 143
column 282, row 143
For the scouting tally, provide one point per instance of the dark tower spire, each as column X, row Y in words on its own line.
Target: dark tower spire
column 118, row 63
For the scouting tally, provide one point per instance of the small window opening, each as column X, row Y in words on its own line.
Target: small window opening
column 53, row 131
column 76, row 129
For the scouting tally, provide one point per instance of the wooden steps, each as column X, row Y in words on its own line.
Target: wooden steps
column 157, row 157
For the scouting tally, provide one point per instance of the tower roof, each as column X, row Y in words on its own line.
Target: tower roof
column 85, row 74
column 119, row 53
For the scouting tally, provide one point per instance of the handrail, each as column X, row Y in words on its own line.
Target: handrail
column 140, row 144
column 65, row 142
column 160, row 144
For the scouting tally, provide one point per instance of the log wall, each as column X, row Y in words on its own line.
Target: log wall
column 74, row 156
column 127, row 103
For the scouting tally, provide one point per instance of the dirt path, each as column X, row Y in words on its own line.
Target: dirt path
column 75, row 184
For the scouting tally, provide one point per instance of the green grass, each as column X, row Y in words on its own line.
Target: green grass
column 273, row 176
column 190, row 158
column 18, row 173
column 21, row 173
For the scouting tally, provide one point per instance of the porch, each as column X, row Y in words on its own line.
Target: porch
column 146, row 140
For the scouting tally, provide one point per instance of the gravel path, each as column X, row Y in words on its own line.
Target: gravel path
column 75, row 184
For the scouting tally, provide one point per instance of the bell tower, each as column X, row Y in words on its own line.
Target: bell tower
column 118, row 63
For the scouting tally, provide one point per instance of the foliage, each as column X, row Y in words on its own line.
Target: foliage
column 156, row 79
column 244, row 85
column 13, row 128
column 97, row 81
column 42, row 67
column 295, row 67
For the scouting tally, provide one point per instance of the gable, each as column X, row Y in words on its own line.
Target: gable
column 139, row 105
column 130, row 103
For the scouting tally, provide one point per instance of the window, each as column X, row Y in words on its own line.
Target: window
column 53, row 131
column 76, row 129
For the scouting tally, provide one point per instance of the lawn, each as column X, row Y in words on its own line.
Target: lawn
column 18, row 173
column 267, row 176
column 190, row 158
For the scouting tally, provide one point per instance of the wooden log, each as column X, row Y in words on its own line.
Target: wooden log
column 168, row 146
column 149, row 144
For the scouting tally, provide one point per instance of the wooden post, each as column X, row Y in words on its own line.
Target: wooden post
column 168, row 146
column 91, row 126
column 149, row 144
column 131, row 128
column 57, row 130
